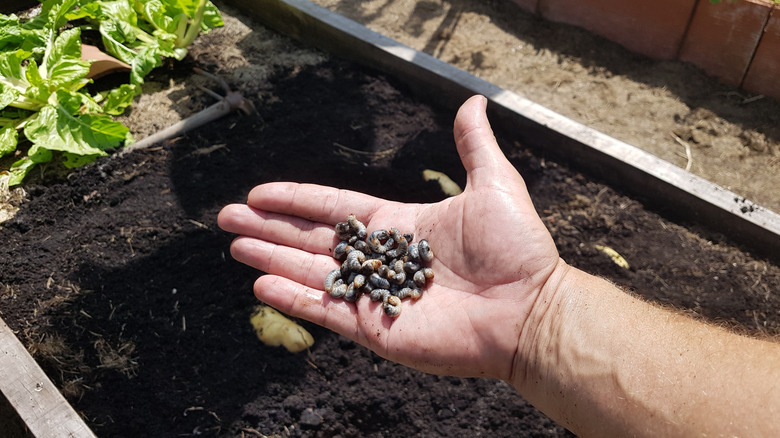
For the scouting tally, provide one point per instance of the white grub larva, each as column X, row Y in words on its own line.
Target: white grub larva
column 404, row 293
column 392, row 306
column 339, row 291
column 419, row 279
column 400, row 244
column 378, row 247
column 409, row 292
column 426, row 253
column 384, row 271
column 331, row 278
column 362, row 246
column 395, row 234
column 379, row 282
column 413, row 252
column 380, row 235
column 359, row 280
column 428, row 273
column 399, row 277
column 379, row 294
column 342, row 231
column 352, row 293
column 370, row 266
column 355, row 260
column 392, row 311
column 411, row 267
column 341, row 250
column 356, row 227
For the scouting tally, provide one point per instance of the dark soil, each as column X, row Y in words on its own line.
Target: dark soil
column 119, row 281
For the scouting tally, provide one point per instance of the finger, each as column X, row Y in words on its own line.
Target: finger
column 483, row 160
column 317, row 203
column 313, row 237
column 297, row 265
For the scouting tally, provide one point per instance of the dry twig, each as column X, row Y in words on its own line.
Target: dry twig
column 688, row 153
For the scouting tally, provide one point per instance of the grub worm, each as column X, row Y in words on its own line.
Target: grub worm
column 386, row 264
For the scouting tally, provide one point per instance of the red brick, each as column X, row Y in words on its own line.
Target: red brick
column 763, row 75
column 654, row 28
column 723, row 36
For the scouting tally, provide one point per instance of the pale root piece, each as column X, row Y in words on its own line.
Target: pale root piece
column 274, row 329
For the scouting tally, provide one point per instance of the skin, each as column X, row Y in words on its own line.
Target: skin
column 591, row 357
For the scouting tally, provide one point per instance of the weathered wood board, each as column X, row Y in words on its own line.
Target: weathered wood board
column 34, row 397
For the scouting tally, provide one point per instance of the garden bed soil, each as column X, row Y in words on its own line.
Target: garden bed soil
column 120, row 283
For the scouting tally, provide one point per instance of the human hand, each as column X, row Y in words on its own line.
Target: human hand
column 493, row 257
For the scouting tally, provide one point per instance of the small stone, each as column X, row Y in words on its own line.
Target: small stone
column 310, row 418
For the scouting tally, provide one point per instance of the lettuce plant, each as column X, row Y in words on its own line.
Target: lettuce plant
column 42, row 99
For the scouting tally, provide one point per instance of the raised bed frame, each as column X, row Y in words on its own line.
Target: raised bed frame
column 38, row 403
column 45, row 411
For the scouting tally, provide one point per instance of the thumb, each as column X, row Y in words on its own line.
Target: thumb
column 483, row 160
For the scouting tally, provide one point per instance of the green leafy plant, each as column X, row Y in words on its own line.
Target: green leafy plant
column 43, row 103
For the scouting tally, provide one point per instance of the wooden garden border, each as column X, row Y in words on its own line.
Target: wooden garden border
column 36, row 400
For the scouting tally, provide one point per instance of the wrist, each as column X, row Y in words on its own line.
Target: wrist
column 561, row 362
column 541, row 327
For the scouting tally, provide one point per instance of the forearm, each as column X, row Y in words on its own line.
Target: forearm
column 603, row 363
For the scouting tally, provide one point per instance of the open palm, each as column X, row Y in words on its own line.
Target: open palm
column 493, row 255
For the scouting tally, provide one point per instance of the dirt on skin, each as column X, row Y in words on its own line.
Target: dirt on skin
column 670, row 109
column 120, row 283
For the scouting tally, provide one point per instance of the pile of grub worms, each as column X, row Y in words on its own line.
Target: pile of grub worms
column 386, row 265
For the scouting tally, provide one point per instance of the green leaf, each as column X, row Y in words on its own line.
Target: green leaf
column 16, row 35
column 57, row 11
column 64, row 67
column 11, row 72
column 120, row 98
column 116, row 41
column 212, row 18
column 19, row 170
column 8, row 95
column 155, row 13
column 59, row 128
column 146, row 60
column 37, row 89
column 8, row 140
column 10, row 32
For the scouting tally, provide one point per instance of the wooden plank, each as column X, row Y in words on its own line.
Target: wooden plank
column 722, row 38
column 762, row 77
column 34, row 397
column 676, row 192
column 652, row 28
